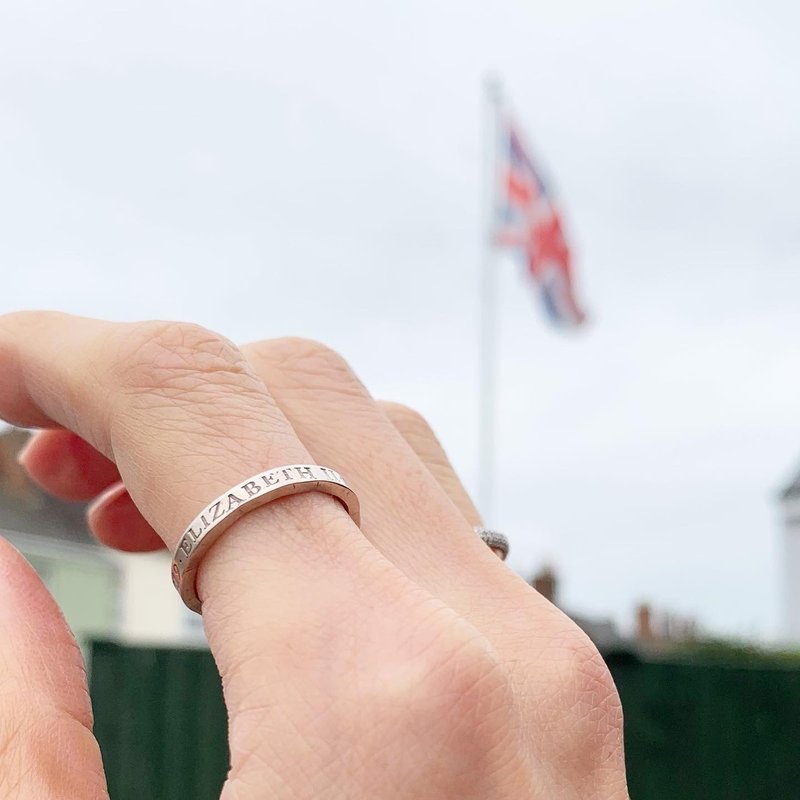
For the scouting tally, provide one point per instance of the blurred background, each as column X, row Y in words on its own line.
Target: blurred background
column 318, row 169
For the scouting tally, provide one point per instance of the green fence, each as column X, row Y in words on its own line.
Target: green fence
column 694, row 732
column 160, row 721
column 710, row 732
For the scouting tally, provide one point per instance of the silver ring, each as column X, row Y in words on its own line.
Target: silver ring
column 257, row 490
column 495, row 540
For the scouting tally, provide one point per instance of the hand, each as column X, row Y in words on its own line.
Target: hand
column 401, row 660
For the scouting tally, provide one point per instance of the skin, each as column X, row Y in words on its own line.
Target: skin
column 398, row 660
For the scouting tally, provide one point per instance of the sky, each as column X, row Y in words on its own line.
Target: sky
column 317, row 168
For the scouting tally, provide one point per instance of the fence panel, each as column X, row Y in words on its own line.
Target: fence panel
column 160, row 721
column 710, row 732
column 695, row 732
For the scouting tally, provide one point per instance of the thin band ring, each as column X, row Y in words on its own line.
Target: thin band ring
column 256, row 491
column 495, row 540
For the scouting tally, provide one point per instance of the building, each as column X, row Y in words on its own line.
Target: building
column 790, row 507
column 656, row 633
column 602, row 631
column 103, row 593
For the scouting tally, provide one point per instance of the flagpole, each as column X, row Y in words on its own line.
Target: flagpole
column 488, row 302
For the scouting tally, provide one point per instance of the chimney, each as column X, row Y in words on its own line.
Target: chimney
column 546, row 583
column 644, row 622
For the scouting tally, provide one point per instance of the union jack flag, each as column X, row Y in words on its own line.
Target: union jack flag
column 528, row 220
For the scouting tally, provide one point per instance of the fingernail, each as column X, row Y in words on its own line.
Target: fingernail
column 22, row 455
column 108, row 499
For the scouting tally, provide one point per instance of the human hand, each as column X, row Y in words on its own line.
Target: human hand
column 399, row 660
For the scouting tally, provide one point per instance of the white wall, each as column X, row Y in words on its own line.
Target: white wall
column 151, row 610
column 84, row 580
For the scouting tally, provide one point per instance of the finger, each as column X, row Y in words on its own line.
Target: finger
column 47, row 749
column 117, row 522
column 406, row 514
column 423, row 441
column 170, row 404
column 184, row 418
column 410, row 519
column 67, row 466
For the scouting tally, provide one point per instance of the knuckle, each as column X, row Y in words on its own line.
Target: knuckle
column 586, row 675
column 596, row 723
column 310, row 355
column 458, row 686
column 180, row 378
column 587, row 699
column 299, row 365
column 454, row 706
column 449, row 671
column 418, row 433
column 428, row 688
column 408, row 420
column 179, row 355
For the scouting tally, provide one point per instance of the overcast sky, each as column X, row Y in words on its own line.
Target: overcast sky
column 314, row 168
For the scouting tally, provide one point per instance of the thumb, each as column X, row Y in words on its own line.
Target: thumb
column 47, row 749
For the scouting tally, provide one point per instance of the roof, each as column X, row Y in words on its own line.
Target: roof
column 605, row 636
column 27, row 509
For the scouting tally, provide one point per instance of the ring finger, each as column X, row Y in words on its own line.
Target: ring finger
column 66, row 466
column 183, row 417
column 340, row 423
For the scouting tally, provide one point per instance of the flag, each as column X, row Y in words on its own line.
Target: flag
column 528, row 221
